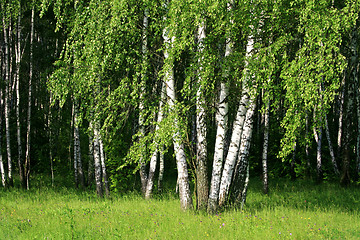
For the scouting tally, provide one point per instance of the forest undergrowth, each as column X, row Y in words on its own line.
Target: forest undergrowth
column 292, row 210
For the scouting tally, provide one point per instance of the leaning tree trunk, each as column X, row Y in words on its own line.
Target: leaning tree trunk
column 179, row 149
column 241, row 175
column 331, row 149
column 27, row 154
column 230, row 161
column 6, row 102
column 201, row 145
column 241, row 131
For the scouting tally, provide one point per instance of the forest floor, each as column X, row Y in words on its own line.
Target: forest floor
column 292, row 210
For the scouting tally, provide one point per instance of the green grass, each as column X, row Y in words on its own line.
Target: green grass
column 293, row 210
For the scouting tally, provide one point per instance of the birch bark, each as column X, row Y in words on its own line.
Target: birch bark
column 265, row 148
column 6, row 103
column 241, row 177
column 143, row 174
column 91, row 158
column 103, row 168
column 153, row 160
column 222, row 122
column 78, row 169
column 97, row 161
column 331, row 149
column 183, row 178
column 201, row 145
column 17, row 86
column 2, row 170
column 27, row 154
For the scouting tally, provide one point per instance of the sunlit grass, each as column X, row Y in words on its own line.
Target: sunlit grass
column 296, row 210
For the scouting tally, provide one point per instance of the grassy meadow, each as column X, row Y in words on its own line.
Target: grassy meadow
column 293, row 210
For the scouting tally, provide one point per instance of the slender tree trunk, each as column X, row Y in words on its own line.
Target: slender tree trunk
column 17, row 86
column 308, row 165
column 97, row 161
column 27, row 154
column 331, row 149
column 6, row 97
column 78, row 170
column 153, row 160
column 341, row 114
column 161, row 170
column 222, row 122
column 265, row 148
column 91, row 158
column 179, row 149
column 76, row 146
column 51, row 142
column 222, row 127
column 2, row 170
column 143, row 174
column 103, row 168
column 318, row 139
column 201, row 147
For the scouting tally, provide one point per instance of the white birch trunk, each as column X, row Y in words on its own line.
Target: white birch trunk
column 143, row 174
column 318, row 138
column 76, row 146
column 2, row 170
column 241, row 175
column 161, row 170
column 201, row 144
column 27, row 154
column 78, row 170
column 183, row 178
column 222, row 122
column 103, row 168
column 153, row 160
column 17, row 106
column 265, row 148
column 230, row 161
column 91, row 158
column 341, row 114
column 331, row 149
column 91, row 161
column 238, row 129
column 6, row 103
column 97, row 161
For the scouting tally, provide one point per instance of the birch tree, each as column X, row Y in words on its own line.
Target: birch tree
column 201, row 144
column 7, row 64
column 183, row 176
